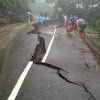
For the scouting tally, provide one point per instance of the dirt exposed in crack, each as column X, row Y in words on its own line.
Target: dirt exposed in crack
column 39, row 51
column 35, row 31
column 95, row 49
column 40, row 48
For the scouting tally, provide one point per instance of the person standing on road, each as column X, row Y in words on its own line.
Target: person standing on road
column 46, row 15
column 41, row 14
column 81, row 24
column 31, row 16
column 73, row 20
column 40, row 20
column 68, row 27
column 56, row 16
column 65, row 19
column 70, row 18
column 75, row 26
column 81, row 35
column 28, row 18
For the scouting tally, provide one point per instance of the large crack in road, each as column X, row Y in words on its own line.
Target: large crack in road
column 88, row 91
column 50, row 66
column 40, row 47
column 40, row 51
column 58, row 71
column 35, row 30
column 64, row 78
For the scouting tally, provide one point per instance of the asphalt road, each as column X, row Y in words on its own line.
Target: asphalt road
column 70, row 71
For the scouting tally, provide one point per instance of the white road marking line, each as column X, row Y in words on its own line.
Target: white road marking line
column 20, row 82
column 48, row 50
column 25, row 72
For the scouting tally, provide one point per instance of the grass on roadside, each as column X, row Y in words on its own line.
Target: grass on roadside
column 93, row 33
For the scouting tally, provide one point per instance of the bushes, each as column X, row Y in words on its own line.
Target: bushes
column 86, row 9
column 98, row 27
column 14, row 9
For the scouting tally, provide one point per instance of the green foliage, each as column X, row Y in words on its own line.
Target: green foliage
column 98, row 23
column 50, row 1
column 40, row 6
column 86, row 9
column 98, row 27
column 14, row 9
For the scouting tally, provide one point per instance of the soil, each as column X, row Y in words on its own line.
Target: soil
column 94, row 44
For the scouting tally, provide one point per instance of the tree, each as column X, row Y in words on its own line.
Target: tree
column 86, row 9
column 14, row 9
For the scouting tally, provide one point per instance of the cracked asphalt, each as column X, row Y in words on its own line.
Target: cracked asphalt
column 69, row 73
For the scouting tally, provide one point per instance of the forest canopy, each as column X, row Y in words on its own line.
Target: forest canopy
column 86, row 9
column 14, row 10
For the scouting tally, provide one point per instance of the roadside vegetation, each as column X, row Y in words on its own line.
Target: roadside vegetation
column 86, row 9
column 13, row 10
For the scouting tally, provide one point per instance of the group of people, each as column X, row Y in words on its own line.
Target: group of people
column 41, row 18
column 44, row 14
column 70, row 24
column 29, row 17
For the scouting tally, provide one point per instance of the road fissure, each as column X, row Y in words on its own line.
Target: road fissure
column 37, row 60
column 35, row 30
column 88, row 91
column 64, row 78
column 39, row 51
column 50, row 66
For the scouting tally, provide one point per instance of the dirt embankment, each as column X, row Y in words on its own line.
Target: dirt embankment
column 7, row 33
column 94, row 44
